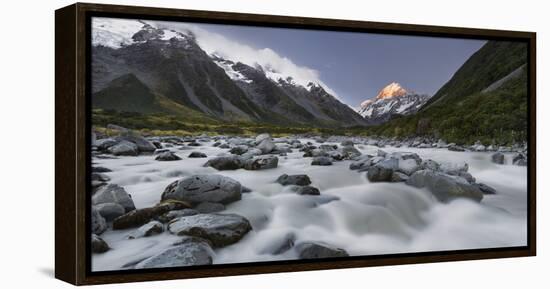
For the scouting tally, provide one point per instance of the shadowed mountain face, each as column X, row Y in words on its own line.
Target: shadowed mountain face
column 170, row 65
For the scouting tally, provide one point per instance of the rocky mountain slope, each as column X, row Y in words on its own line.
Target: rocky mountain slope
column 169, row 66
column 486, row 99
column 392, row 100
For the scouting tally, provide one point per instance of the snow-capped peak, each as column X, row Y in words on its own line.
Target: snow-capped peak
column 391, row 100
column 117, row 33
column 391, row 90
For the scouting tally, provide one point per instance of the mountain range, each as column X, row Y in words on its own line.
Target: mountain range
column 140, row 68
column 158, row 70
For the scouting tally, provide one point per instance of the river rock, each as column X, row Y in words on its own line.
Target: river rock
column 224, row 163
column 262, row 137
column 382, row 171
column 209, row 207
column 486, row 189
column 310, row 250
column 443, row 186
column 261, row 163
column 110, row 211
column 167, row 217
column 299, row 180
column 204, row 188
column 398, row 177
column 350, row 152
column 307, row 190
column 105, row 144
column 280, row 245
column 98, row 222
column 519, row 159
column 266, row 146
column 454, row 168
column 99, row 245
column 113, row 193
column 239, row 150
column 167, row 156
column 321, row 161
column 497, row 158
column 196, row 155
column 142, row 144
column 456, row 148
column 408, row 166
column 143, row 216
column 124, row 148
column 429, row 165
column 220, row 229
column 150, row 229
column 100, row 170
column 193, row 252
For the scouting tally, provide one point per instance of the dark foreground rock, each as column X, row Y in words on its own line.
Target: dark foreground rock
column 196, row 155
column 110, row 211
column 310, row 250
column 99, row 245
column 220, row 229
column 143, row 216
column 192, row 252
column 224, row 163
column 204, row 188
column 299, row 180
column 497, row 158
column 98, row 222
column 307, row 190
column 167, row 156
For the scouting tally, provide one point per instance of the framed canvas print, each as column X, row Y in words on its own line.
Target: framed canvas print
column 197, row 143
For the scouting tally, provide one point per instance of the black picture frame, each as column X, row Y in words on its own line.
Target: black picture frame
column 73, row 159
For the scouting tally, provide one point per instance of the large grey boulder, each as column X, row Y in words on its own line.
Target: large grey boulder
column 408, row 166
column 113, row 193
column 266, row 146
column 382, row 171
column 105, row 143
column 349, row 152
column 191, row 252
column 239, row 150
column 142, row 144
column 124, row 148
column 220, row 229
column 224, row 163
column 98, row 222
column 497, row 158
column 204, row 188
column 261, row 163
column 110, row 211
column 311, row 250
column 445, row 187
column 209, row 207
column 299, row 180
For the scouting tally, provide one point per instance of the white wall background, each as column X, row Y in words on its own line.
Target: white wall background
column 27, row 144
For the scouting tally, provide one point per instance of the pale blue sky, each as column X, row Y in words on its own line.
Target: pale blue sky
column 358, row 65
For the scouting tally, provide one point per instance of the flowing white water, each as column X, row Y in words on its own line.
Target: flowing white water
column 361, row 217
